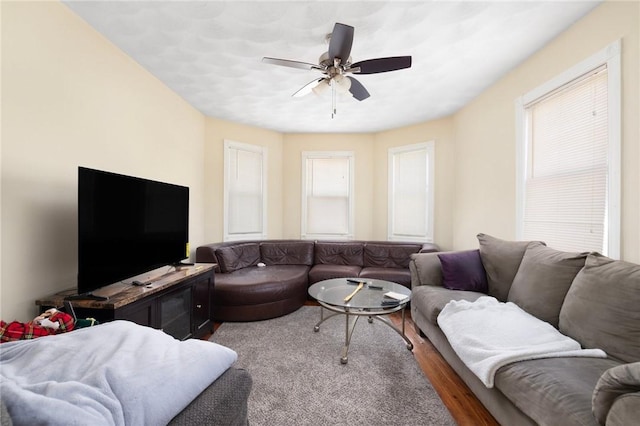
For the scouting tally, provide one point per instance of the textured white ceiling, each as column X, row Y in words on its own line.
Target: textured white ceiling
column 210, row 52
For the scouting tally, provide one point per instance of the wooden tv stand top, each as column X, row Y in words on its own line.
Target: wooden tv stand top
column 123, row 293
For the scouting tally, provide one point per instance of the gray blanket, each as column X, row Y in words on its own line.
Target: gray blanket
column 117, row 373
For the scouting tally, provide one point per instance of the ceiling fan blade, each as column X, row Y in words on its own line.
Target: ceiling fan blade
column 307, row 88
column 357, row 90
column 291, row 64
column 341, row 42
column 374, row 66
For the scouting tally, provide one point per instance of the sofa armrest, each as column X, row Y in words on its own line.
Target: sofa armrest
column 426, row 269
column 624, row 410
column 429, row 248
column 207, row 253
column 224, row 402
column 617, row 392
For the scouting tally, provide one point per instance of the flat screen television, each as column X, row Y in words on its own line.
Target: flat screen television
column 127, row 226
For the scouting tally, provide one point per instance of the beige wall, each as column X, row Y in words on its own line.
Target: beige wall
column 217, row 131
column 485, row 130
column 70, row 98
column 361, row 145
column 439, row 131
column 371, row 184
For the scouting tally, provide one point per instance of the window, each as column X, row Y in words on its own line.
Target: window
column 327, row 195
column 569, row 158
column 245, row 192
column 411, row 193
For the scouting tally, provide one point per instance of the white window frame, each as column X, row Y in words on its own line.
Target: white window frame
column 429, row 148
column 306, row 155
column 609, row 56
column 232, row 145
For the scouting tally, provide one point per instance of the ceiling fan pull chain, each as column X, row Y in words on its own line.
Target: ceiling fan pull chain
column 333, row 98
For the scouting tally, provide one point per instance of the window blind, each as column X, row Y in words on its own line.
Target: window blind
column 245, row 192
column 567, row 166
column 328, row 196
column 409, row 193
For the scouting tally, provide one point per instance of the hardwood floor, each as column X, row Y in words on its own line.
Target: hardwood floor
column 464, row 407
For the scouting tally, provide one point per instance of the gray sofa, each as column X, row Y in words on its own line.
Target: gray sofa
column 223, row 403
column 588, row 297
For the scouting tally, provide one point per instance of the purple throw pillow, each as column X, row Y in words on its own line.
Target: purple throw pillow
column 463, row 270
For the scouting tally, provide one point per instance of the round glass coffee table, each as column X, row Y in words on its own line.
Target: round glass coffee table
column 356, row 297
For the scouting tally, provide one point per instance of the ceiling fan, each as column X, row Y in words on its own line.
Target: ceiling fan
column 336, row 63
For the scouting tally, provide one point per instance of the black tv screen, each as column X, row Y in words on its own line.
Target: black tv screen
column 127, row 226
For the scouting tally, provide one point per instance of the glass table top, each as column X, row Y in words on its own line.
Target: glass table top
column 371, row 296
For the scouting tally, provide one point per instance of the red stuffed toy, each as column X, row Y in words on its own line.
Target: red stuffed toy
column 52, row 321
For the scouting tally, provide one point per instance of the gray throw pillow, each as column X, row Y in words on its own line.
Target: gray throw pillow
column 602, row 307
column 543, row 279
column 501, row 259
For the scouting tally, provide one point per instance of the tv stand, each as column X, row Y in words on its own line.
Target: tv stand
column 87, row 296
column 178, row 302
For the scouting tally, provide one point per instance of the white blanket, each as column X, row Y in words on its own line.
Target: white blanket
column 116, row 373
column 487, row 334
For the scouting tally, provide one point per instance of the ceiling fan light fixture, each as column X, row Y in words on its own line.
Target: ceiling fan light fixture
column 337, row 71
column 321, row 87
column 342, row 83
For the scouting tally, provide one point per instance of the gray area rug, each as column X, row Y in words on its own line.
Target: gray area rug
column 298, row 378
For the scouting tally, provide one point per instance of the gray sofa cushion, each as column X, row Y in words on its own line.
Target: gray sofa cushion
column 501, row 260
column 426, row 269
column 615, row 382
column 430, row 300
column 553, row 391
column 543, row 279
column 224, row 402
column 601, row 309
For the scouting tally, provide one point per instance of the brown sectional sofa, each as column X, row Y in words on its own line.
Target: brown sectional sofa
column 245, row 291
column 588, row 297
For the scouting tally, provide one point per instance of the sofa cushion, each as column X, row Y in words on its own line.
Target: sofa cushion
column 463, row 270
column 238, row 256
column 327, row 272
column 390, row 255
column 613, row 383
column 255, row 285
column 430, row 300
column 553, row 391
column 287, row 253
column 339, row 253
column 601, row 307
column 501, row 260
column 543, row 279
column 395, row 275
